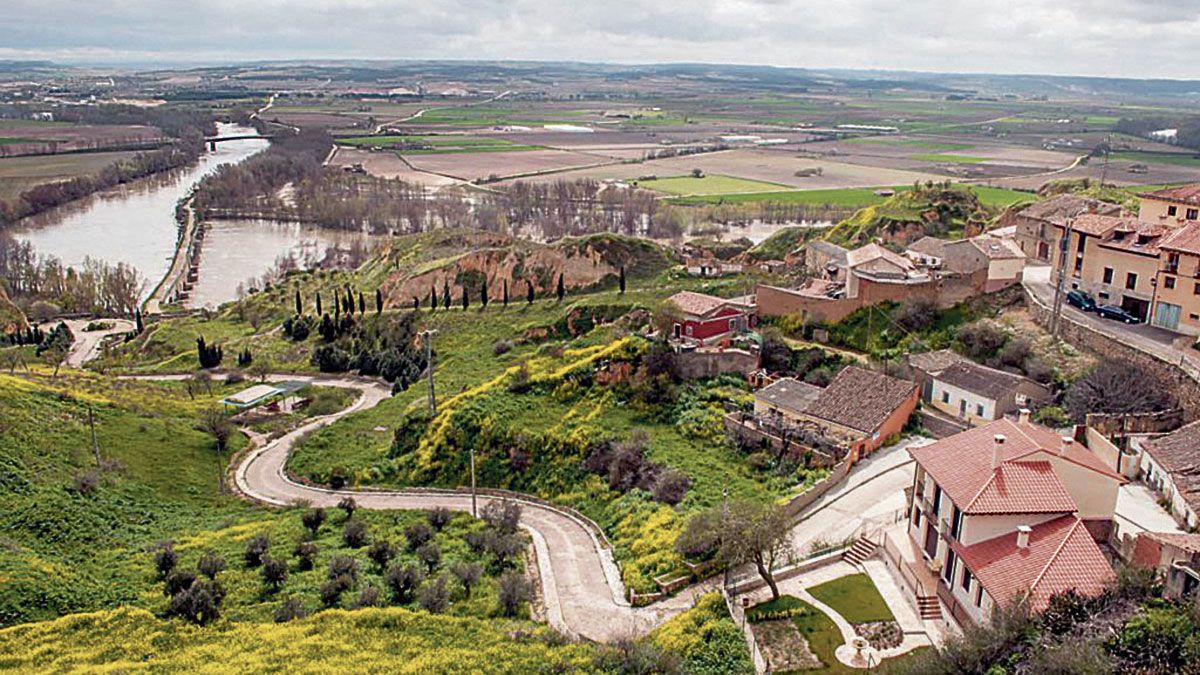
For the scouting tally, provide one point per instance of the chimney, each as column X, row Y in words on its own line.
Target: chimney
column 1093, row 206
column 1023, row 536
column 996, row 448
column 1066, row 445
column 1023, row 415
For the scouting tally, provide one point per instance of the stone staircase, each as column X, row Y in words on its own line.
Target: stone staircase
column 862, row 549
column 929, row 608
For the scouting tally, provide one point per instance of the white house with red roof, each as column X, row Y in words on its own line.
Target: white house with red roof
column 1005, row 510
column 707, row 318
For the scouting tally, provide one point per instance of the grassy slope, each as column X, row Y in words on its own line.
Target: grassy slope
column 385, row 640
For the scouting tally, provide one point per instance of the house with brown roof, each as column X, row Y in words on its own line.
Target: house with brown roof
column 1170, row 465
column 1005, row 511
column 705, row 319
column 1171, row 206
column 859, row 410
column 1036, row 235
column 977, row 394
column 1176, row 557
column 1113, row 258
column 1177, row 280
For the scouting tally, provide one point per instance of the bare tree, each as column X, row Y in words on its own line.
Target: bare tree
column 1116, row 387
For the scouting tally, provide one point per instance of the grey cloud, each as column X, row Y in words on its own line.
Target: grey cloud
column 1134, row 38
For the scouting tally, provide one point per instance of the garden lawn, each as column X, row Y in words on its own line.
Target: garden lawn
column 709, row 185
column 854, row 597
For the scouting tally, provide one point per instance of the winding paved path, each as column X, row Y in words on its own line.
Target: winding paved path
column 87, row 343
column 580, row 582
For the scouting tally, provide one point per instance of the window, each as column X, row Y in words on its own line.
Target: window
column 948, row 568
column 1192, row 214
column 732, row 325
column 1169, row 282
column 979, row 410
column 945, row 397
column 937, row 497
column 1131, row 281
column 916, row 517
column 966, row 579
column 1196, row 289
column 1172, row 210
column 1194, row 317
column 979, row 595
column 1080, row 243
column 1104, row 296
column 1108, row 275
column 1078, row 266
column 956, row 523
column 689, row 329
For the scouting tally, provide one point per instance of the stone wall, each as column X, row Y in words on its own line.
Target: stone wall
column 1184, row 382
column 698, row 364
column 945, row 292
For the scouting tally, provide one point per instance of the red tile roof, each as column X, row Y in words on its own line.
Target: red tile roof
column 1061, row 555
column 962, row 464
column 1096, row 224
column 696, row 304
column 1184, row 194
column 861, row 399
column 1186, row 239
column 1022, row 487
column 1186, row 542
column 1178, row 453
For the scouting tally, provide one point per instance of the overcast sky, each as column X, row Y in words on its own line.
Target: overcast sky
column 1128, row 38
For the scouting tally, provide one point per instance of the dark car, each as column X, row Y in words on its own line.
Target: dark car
column 1114, row 312
column 1081, row 300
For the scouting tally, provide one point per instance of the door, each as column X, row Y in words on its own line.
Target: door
column 931, row 538
column 1166, row 315
column 962, row 408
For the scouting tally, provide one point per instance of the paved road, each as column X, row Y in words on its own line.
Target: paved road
column 87, row 343
column 580, row 582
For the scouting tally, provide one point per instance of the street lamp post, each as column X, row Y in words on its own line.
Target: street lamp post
column 427, row 338
column 474, row 513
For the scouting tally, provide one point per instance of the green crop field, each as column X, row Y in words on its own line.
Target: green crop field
column 910, row 143
column 709, row 185
column 1171, row 158
column 438, row 145
column 850, row 197
column 947, row 158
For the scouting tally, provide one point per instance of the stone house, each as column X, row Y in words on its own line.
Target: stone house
column 1176, row 556
column 977, row 394
column 1170, row 465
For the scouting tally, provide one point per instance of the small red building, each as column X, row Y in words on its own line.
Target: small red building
column 707, row 318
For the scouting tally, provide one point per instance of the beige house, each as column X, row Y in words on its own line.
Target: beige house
column 876, row 263
column 977, row 394
column 1177, row 282
column 1113, row 258
column 1005, row 511
column 1172, row 207
column 1036, row 234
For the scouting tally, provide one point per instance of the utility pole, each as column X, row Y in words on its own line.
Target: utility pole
column 427, row 338
column 474, row 513
column 1063, row 245
column 95, row 443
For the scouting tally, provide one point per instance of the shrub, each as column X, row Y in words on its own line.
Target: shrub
column 165, row 559
column 348, row 506
column 403, row 581
column 177, row 581
column 699, row 539
column 671, row 487
column 369, row 596
column 501, row 347
column 468, row 575
column 431, row 555
column 306, row 554
column 256, row 550
column 331, row 591
column 354, row 533
column 433, row 597
column 417, row 535
column 628, row 655
column 343, row 566
column 1052, row 416
column 439, row 517
column 274, row 572
column 381, row 553
column 476, row 540
column 200, row 603
column 313, row 519
column 503, row 515
column 290, row 610
column 514, row 592
column 210, row 564
column 503, row 547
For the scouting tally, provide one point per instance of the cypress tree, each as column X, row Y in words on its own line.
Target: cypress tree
column 432, row 298
column 505, row 293
column 362, row 304
column 621, row 280
column 528, row 292
column 465, row 302
column 416, row 305
column 319, row 312
column 379, row 302
column 299, row 306
column 137, row 321
column 483, row 294
column 446, row 294
column 562, row 289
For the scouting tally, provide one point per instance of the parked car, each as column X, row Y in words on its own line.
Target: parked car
column 1114, row 312
column 1081, row 300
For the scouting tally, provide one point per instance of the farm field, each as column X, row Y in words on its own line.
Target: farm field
column 758, row 165
column 708, row 185
column 18, row 174
column 386, row 165
column 471, row 166
column 1190, row 160
column 943, row 158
